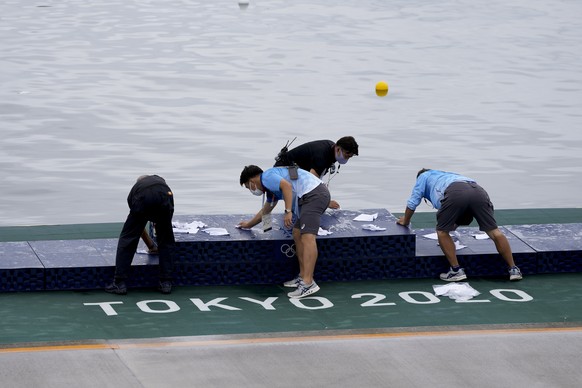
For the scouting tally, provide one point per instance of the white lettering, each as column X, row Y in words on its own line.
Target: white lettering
column 202, row 306
column 325, row 303
column 267, row 304
column 430, row 297
column 473, row 301
column 374, row 301
column 523, row 296
column 172, row 307
column 105, row 306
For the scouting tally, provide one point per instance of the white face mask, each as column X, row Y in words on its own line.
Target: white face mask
column 340, row 157
column 256, row 191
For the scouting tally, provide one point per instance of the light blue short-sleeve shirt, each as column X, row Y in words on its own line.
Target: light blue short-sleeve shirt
column 432, row 185
column 306, row 181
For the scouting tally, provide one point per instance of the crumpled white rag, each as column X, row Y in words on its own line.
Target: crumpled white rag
column 366, row 217
column 190, row 227
column 372, row 227
column 216, row 231
column 458, row 291
column 434, row 236
column 323, row 232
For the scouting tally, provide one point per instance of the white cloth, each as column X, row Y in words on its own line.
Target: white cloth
column 458, row 246
column 190, row 227
column 434, row 236
column 366, row 217
column 480, row 236
column 216, row 231
column 372, row 227
column 323, row 232
column 459, row 292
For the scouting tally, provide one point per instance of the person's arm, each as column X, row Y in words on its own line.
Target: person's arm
column 266, row 209
column 405, row 219
column 287, row 190
column 152, row 247
column 414, row 200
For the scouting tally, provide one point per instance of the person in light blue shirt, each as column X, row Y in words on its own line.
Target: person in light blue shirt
column 458, row 199
column 304, row 195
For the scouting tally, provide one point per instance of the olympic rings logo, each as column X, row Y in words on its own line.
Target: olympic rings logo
column 288, row 250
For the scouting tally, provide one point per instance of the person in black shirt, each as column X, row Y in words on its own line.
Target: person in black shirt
column 150, row 199
column 319, row 157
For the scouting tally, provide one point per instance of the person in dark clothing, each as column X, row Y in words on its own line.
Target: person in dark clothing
column 150, row 199
column 319, row 157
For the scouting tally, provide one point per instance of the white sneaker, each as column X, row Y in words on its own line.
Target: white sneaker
column 515, row 274
column 454, row 276
column 303, row 290
column 293, row 283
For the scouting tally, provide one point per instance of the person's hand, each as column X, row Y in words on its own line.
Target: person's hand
column 288, row 220
column 333, row 204
column 400, row 221
column 244, row 225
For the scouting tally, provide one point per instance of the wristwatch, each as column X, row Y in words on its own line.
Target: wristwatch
column 287, row 211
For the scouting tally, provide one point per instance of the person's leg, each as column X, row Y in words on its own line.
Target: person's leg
column 298, row 249
column 448, row 247
column 483, row 210
column 453, row 207
column 502, row 246
column 313, row 205
column 309, row 255
column 166, row 242
column 127, row 245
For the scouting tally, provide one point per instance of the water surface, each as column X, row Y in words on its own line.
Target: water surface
column 94, row 94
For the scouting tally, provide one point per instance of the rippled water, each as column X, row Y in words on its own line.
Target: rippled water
column 94, row 94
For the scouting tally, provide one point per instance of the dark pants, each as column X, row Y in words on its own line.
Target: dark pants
column 155, row 205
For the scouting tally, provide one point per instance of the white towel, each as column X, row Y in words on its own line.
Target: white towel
column 372, row 227
column 366, row 217
column 434, row 236
column 459, row 292
column 323, row 232
column 216, row 231
column 190, row 227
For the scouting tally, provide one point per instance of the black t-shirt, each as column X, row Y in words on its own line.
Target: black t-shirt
column 318, row 155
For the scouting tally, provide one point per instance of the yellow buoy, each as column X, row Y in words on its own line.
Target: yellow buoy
column 381, row 89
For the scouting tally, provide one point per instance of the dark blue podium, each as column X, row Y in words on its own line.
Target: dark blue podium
column 349, row 253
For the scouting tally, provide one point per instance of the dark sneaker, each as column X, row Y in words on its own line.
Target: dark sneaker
column 116, row 288
column 454, row 276
column 165, row 287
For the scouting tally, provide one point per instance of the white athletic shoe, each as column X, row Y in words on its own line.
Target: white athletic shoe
column 293, row 283
column 515, row 273
column 303, row 290
column 453, row 276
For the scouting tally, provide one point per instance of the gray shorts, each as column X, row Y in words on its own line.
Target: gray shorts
column 463, row 201
column 311, row 206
